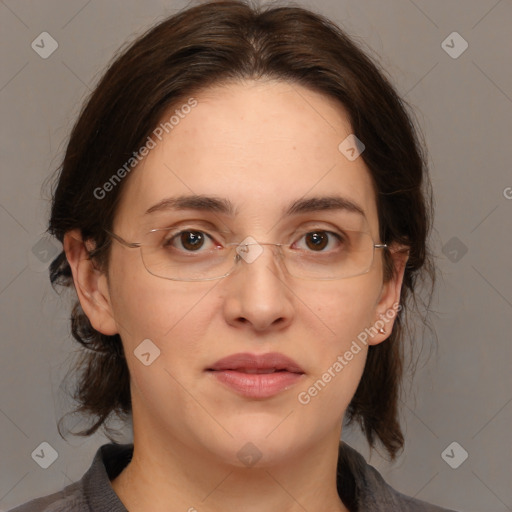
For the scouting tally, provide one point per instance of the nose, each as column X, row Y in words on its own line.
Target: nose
column 258, row 292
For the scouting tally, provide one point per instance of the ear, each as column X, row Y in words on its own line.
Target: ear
column 90, row 283
column 388, row 304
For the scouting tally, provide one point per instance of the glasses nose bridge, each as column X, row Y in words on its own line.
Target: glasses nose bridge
column 249, row 256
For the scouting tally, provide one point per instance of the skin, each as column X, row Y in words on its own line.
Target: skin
column 255, row 143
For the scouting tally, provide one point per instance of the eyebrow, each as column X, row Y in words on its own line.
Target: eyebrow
column 226, row 207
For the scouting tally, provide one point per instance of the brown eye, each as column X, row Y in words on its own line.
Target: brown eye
column 187, row 240
column 321, row 242
column 192, row 240
column 317, row 240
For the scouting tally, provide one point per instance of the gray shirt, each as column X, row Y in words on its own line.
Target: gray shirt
column 360, row 487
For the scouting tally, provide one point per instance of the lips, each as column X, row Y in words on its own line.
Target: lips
column 253, row 363
column 257, row 376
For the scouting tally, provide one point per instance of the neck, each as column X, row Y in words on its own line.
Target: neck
column 176, row 478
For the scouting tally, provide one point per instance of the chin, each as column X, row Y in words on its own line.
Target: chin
column 255, row 444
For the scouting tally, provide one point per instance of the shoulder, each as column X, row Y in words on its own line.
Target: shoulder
column 371, row 493
column 70, row 498
column 93, row 492
column 397, row 500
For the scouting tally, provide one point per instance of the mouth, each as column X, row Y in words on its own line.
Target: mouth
column 256, row 370
column 257, row 364
column 257, row 376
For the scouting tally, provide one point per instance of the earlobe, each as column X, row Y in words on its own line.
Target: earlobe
column 90, row 284
column 388, row 305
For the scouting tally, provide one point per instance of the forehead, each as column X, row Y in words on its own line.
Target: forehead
column 261, row 145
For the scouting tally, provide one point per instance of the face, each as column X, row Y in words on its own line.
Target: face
column 261, row 146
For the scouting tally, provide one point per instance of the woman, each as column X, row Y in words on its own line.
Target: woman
column 244, row 209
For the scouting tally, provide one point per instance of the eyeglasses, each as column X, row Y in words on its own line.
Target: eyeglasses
column 180, row 255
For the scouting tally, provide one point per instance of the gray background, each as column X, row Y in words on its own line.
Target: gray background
column 461, row 393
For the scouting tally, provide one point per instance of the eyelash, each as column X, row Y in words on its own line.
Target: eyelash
column 168, row 242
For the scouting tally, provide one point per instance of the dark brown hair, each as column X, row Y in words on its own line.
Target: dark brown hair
column 221, row 42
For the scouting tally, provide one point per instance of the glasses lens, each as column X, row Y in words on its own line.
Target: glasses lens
column 185, row 256
column 192, row 256
column 350, row 255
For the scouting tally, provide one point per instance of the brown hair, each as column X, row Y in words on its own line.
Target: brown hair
column 219, row 42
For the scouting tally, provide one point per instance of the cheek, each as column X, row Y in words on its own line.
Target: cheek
column 346, row 308
column 146, row 306
column 342, row 312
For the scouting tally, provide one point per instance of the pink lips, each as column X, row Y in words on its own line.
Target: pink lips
column 257, row 376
